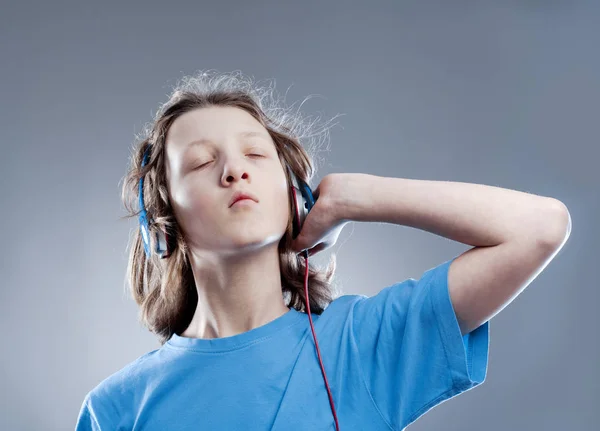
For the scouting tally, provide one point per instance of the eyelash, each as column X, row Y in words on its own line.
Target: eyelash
column 204, row 164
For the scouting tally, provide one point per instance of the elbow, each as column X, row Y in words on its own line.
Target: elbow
column 558, row 225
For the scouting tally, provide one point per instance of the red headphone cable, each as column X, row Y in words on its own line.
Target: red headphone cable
column 337, row 426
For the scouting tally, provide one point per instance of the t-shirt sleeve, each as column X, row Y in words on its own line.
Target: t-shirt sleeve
column 88, row 419
column 411, row 352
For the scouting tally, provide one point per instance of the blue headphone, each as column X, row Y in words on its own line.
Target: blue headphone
column 302, row 202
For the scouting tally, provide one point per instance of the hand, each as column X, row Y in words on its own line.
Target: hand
column 322, row 225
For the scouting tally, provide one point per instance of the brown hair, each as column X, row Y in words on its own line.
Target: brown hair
column 164, row 288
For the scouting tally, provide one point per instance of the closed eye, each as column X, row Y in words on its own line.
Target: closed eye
column 204, row 164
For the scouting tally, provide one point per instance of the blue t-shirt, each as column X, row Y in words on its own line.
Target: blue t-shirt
column 389, row 358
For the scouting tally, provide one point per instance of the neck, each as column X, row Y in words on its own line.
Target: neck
column 236, row 293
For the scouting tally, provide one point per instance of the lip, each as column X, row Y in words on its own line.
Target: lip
column 241, row 195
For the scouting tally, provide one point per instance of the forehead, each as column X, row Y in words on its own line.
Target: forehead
column 215, row 124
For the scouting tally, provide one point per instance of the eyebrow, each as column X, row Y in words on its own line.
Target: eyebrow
column 247, row 134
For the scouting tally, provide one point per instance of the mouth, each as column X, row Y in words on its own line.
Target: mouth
column 241, row 197
column 242, row 202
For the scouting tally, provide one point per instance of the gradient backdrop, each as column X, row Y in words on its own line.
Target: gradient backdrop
column 503, row 93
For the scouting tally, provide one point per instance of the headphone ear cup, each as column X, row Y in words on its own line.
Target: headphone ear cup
column 307, row 194
column 145, row 233
column 296, row 217
column 162, row 244
column 302, row 203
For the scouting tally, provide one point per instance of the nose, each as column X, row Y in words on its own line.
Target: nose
column 233, row 173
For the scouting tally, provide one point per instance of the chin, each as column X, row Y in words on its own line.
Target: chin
column 255, row 241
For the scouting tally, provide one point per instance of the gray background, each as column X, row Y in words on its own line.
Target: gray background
column 498, row 93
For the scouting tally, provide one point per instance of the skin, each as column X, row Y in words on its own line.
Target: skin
column 233, row 251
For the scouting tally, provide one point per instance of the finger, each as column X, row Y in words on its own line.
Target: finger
column 316, row 249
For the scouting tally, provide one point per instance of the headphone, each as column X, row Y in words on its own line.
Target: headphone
column 302, row 202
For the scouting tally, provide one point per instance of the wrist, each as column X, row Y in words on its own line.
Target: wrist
column 351, row 194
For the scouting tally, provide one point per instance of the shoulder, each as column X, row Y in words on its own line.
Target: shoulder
column 402, row 291
column 126, row 380
column 109, row 404
column 341, row 306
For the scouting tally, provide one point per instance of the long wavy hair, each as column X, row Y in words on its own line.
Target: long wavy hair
column 165, row 289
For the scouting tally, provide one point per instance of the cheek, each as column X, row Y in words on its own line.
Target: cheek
column 188, row 198
column 190, row 205
column 283, row 205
